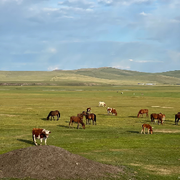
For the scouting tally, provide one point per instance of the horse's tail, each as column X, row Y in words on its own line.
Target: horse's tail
column 59, row 115
column 94, row 117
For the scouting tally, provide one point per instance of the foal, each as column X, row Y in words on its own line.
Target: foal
column 148, row 127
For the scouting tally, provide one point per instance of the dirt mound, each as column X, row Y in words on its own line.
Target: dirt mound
column 51, row 162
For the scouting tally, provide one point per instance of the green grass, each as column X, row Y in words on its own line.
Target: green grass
column 114, row 140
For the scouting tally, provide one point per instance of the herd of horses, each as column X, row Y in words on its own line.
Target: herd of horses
column 159, row 117
column 76, row 119
column 92, row 117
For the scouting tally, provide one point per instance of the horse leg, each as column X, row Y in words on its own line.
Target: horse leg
column 177, row 120
column 148, row 130
column 78, row 126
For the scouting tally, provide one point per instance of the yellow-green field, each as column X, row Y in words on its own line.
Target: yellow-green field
column 114, row 140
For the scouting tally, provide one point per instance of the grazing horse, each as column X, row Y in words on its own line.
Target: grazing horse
column 54, row 113
column 177, row 117
column 143, row 111
column 160, row 117
column 90, row 116
column 148, row 127
column 112, row 110
column 102, row 104
column 77, row 120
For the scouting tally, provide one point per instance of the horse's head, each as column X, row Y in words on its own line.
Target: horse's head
column 83, row 113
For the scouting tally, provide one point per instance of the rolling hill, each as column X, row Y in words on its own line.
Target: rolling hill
column 89, row 76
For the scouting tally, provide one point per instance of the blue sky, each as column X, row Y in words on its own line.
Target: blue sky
column 44, row 35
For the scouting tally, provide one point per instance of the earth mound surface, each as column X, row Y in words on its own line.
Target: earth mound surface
column 51, row 162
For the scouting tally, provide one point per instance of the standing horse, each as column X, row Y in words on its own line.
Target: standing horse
column 88, row 110
column 76, row 120
column 90, row 116
column 160, row 117
column 177, row 117
column 54, row 113
column 148, row 127
column 143, row 111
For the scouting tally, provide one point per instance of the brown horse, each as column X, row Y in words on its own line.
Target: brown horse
column 88, row 110
column 143, row 111
column 148, row 127
column 77, row 120
column 81, row 114
column 89, row 117
column 160, row 117
column 177, row 117
column 54, row 113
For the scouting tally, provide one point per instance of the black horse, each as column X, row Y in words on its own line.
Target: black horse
column 54, row 113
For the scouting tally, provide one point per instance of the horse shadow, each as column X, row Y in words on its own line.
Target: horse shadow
column 44, row 119
column 135, row 132
column 132, row 116
column 26, row 141
column 63, row 126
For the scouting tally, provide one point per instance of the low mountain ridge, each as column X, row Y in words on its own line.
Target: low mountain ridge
column 89, row 76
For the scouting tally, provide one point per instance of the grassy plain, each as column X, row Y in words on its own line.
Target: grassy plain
column 114, row 140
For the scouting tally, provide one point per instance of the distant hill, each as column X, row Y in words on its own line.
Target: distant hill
column 89, row 76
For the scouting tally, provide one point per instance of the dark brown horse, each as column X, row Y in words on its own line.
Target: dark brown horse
column 54, row 113
column 89, row 117
column 177, row 117
column 77, row 120
column 143, row 111
column 160, row 117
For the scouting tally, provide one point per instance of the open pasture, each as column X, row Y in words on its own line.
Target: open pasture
column 114, row 140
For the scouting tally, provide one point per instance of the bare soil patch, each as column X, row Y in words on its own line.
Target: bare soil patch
column 51, row 162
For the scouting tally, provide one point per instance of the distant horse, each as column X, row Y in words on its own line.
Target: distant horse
column 160, row 117
column 89, row 117
column 177, row 117
column 112, row 110
column 143, row 111
column 148, row 127
column 54, row 113
column 88, row 110
column 76, row 120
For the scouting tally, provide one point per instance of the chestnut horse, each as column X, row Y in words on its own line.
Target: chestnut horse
column 81, row 114
column 90, row 116
column 148, row 127
column 54, row 113
column 160, row 117
column 177, row 117
column 143, row 111
column 77, row 120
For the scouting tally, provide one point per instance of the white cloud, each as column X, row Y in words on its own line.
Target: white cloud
column 143, row 13
column 52, row 68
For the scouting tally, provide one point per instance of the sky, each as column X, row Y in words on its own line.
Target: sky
column 45, row 35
